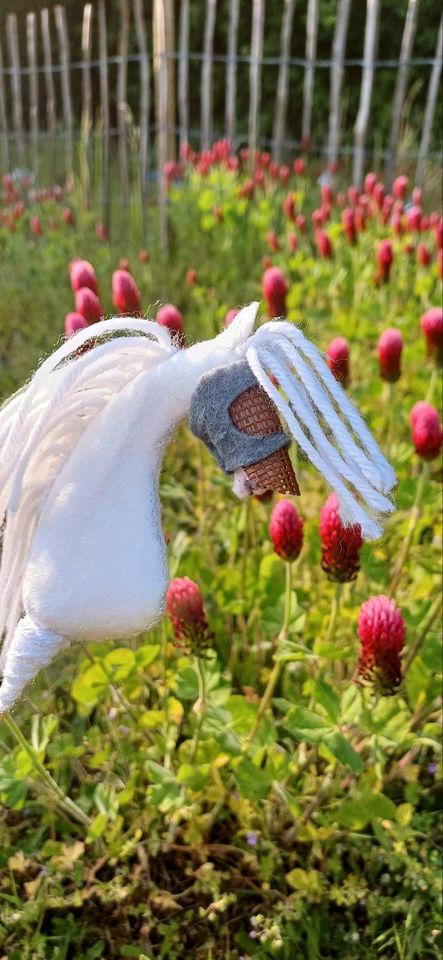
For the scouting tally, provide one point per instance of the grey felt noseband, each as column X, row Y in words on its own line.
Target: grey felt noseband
column 210, row 420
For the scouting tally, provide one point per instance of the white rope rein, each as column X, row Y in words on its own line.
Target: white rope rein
column 348, row 411
column 350, row 470
column 277, row 349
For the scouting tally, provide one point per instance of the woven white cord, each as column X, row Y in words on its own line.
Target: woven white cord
column 31, row 649
column 349, row 468
column 346, row 408
column 350, row 509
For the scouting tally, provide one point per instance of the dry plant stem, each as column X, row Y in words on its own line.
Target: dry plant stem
column 413, row 519
column 65, row 803
column 415, row 647
column 321, row 794
column 278, row 665
column 201, row 709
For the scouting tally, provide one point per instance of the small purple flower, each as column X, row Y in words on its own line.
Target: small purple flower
column 432, row 769
column 251, row 838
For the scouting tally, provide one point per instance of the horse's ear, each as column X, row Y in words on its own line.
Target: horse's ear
column 240, row 329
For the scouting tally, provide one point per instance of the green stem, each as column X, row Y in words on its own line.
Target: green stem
column 288, row 591
column 335, row 607
column 278, row 664
column 391, row 394
column 244, row 564
column 432, row 382
column 413, row 519
column 64, row 802
column 421, row 636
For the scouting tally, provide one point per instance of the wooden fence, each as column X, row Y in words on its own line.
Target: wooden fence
column 164, row 93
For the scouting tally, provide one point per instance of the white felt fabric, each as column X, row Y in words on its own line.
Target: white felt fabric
column 84, row 554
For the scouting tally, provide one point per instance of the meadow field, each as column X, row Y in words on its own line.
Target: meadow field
column 260, row 775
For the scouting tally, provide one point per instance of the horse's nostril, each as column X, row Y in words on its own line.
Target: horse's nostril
column 274, row 473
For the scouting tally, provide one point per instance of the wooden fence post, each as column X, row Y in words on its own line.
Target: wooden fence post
column 338, row 53
column 430, row 108
column 161, row 80
column 3, row 116
column 31, row 44
column 63, row 41
column 281, row 99
column 49, row 86
column 308, row 89
column 361, row 124
column 400, row 85
column 231, row 75
column 206, row 75
column 168, row 12
column 258, row 15
column 86, row 118
column 104, row 111
column 122, row 108
column 183, row 74
column 16, row 84
column 143, row 156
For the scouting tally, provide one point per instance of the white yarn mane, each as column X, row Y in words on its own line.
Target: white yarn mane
column 75, row 396
column 41, row 425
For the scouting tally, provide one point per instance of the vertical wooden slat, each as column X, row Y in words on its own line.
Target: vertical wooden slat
column 63, row 42
column 338, row 53
column 86, row 119
column 206, row 75
column 16, row 84
column 49, row 80
column 308, row 87
column 169, row 18
column 183, row 74
column 143, row 109
column 122, row 107
column 281, row 99
column 400, row 84
column 258, row 16
column 431, row 103
column 31, row 45
column 362, row 121
column 161, row 80
column 231, row 75
column 104, row 113
column 3, row 116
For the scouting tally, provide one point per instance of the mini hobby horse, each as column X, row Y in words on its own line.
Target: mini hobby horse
column 84, row 556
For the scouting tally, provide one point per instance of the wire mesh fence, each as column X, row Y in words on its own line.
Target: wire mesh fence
column 132, row 96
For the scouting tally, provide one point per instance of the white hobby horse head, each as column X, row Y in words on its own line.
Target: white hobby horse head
column 84, row 557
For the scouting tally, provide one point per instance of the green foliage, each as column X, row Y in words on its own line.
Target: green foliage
column 219, row 829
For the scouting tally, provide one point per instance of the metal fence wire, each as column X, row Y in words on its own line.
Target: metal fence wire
column 59, row 94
